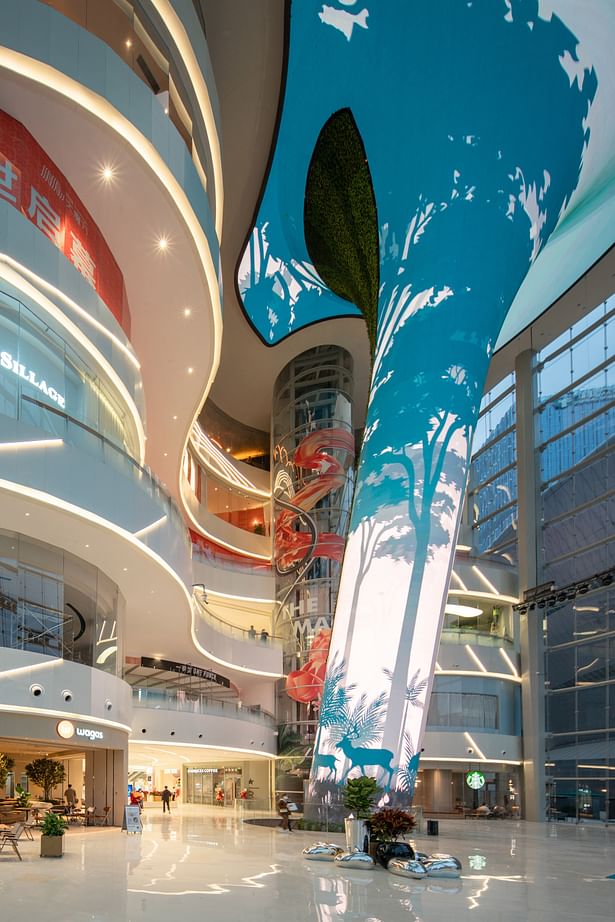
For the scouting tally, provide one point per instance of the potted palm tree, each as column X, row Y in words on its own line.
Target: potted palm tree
column 53, row 828
column 386, row 827
column 359, row 797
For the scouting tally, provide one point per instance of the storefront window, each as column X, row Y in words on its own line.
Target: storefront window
column 44, row 383
column 53, row 603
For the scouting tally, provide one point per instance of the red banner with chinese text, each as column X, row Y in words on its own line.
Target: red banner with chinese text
column 32, row 183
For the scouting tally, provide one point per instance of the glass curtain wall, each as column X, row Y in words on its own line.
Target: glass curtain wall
column 56, row 604
column 492, row 491
column 313, row 476
column 575, row 426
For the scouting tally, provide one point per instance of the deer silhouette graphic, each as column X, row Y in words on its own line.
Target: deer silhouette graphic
column 362, row 757
column 322, row 760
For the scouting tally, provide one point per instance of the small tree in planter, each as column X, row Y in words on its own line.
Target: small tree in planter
column 6, row 765
column 46, row 773
column 386, row 827
column 359, row 797
column 53, row 828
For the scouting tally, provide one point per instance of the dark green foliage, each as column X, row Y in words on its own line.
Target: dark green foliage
column 6, row 765
column 53, row 825
column 46, row 773
column 359, row 796
column 340, row 218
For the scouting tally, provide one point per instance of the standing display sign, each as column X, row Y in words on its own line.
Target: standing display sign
column 33, row 184
column 132, row 819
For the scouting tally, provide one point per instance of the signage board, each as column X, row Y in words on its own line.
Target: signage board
column 196, row 672
column 132, row 819
column 475, row 780
column 66, row 729
column 32, row 184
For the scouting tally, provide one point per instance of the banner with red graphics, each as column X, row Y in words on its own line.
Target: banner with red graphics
column 32, row 183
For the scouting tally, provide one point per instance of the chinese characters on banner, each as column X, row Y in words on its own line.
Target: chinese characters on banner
column 31, row 183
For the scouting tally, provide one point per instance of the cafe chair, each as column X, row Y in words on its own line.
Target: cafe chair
column 102, row 819
column 11, row 837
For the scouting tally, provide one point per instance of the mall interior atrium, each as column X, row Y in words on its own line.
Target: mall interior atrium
column 307, row 451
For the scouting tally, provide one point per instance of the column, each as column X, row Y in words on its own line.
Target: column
column 531, row 632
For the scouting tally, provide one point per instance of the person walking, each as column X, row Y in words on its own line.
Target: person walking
column 166, row 800
column 284, row 814
column 70, row 796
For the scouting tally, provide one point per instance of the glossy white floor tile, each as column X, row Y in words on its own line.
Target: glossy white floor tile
column 203, row 863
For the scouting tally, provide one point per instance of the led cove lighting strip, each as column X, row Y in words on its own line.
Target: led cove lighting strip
column 50, row 712
column 33, row 668
column 32, row 443
column 476, row 659
column 219, row 464
column 216, row 540
column 148, row 529
column 23, row 270
column 15, row 278
column 100, row 108
column 161, row 743
column 473, row 743
column 509, row 662
column 505, row 676
column 484, row 579
column 182, row 42
column 466, row 760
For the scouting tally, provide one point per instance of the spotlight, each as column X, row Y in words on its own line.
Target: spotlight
column 583, row 588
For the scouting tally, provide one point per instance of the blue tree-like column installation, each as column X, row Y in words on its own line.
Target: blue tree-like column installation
column 475, row 118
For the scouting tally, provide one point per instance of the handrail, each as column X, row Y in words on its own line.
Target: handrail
column 172, row 700
column 231, row 630
column 221, row 466
column 141, row 471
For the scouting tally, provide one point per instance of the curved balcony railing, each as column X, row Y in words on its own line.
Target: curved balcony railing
column 39, row 33
column 232, row 630
column 226, row 468
column 191, row 703
column 456, row 635
column 135, row 500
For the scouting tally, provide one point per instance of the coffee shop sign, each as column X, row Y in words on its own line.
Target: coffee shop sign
column 67, row 729
column 7, row 361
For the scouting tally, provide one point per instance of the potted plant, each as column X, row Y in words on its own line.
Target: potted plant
column 386, row 827
column 53, row 827
column 23, row 797
column 359, row 796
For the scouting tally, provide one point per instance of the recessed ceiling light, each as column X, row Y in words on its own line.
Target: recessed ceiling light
column 166, row 453
column 175, row 417
column 87, row 545
column 128, row 43
column 187, row 312
column 27, row 513
column 166, row 111
column 229, row 450
column 190, row 370
column 162, row 243
column 125, row 569
column 107, row 173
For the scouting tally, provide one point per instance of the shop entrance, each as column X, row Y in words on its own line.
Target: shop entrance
column 91, row 775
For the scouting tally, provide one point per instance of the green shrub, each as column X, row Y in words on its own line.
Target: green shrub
column 53, row 825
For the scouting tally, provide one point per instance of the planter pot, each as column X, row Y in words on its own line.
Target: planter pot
column 356, row 831
column 387, row 850
column 52, row 846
